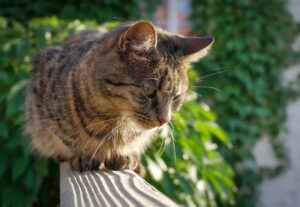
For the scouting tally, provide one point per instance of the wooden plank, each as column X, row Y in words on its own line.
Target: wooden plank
column 107, row 189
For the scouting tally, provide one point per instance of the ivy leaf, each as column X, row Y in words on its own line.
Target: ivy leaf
column 13, row 196
column 168, row 186
column 19, row 166
column 41, row 166
column 16, row 88
column 4, row 163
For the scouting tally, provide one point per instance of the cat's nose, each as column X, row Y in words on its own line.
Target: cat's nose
column 163, row 114
column 163, row 122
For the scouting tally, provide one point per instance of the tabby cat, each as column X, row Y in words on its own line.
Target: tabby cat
column 96, row 99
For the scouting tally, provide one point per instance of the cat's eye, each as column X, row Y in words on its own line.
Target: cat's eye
column 176, row 97
column 149, row 91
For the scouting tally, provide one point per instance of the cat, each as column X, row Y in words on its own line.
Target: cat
column 96, row 99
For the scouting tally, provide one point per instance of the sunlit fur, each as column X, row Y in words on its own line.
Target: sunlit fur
column 86, row 103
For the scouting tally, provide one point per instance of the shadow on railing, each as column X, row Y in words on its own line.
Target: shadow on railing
column 107, row 189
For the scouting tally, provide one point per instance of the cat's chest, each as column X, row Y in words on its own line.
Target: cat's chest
column 139, row 143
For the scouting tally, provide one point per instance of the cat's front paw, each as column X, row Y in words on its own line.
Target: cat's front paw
column 84, row 163
column 126, row 162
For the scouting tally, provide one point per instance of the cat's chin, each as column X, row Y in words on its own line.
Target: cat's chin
column 146, row 125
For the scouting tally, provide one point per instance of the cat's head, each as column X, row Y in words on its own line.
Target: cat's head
column 141, row 71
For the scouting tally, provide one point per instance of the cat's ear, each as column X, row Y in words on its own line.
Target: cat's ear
column 194, row 48
column 141, row 36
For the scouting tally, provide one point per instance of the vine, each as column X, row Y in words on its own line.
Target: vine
column 253, row 46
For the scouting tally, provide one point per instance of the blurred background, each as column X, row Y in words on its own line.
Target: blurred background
column 236, row 140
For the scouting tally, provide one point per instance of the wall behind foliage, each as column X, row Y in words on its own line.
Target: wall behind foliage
column 99, row 10
column 253, row 45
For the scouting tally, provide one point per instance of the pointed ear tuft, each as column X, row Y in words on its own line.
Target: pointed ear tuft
column 140, row 36
column 194, row 48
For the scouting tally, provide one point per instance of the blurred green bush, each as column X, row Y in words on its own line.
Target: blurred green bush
column 99, row 10
column 188, row 169
column 253, row 46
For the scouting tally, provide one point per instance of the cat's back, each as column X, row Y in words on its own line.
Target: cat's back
column 53, row 69
column 52, row 65
column 49, row 107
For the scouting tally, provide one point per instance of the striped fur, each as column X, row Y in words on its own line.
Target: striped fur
column 85, row 101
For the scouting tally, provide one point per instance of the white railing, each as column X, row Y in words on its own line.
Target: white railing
column 107, row 189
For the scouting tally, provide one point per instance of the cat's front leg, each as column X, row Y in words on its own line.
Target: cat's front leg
column 131, row 162
column 84, row 163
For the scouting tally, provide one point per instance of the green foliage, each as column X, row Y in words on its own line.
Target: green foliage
column 108, row 10
column 196, row 177
column 22, row 175
column 190, row 170
column 253, row 45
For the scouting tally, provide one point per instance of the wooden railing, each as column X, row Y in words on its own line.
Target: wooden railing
column 107, row 189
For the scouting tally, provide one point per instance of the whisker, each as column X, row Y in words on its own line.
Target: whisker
column 103, row 121
column 162, row 146
column 101, row 143
column 209, row 87
column 127, row 110
column 142, row 117
column 212, row 74
column 104, row 114
column 173, row 143
column 98, row 133
column 111, row 121
column 173, row 128
column 149, row 79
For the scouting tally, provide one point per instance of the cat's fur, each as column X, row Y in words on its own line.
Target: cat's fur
column 86, row 103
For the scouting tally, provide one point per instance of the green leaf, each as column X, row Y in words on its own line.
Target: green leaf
column 168, row 186
column 13, row 196
column 19, row 166
column 4, row 129
column 41, row 166
column 16, row 88
column 4, row 163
